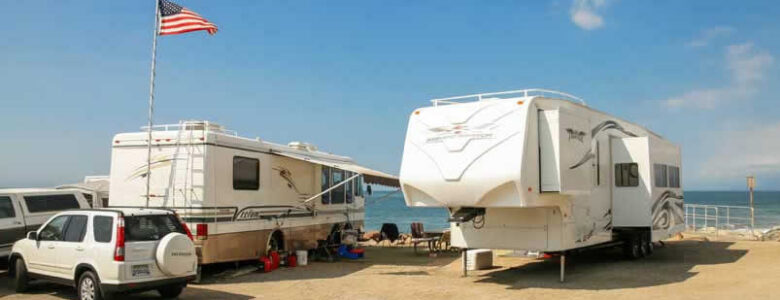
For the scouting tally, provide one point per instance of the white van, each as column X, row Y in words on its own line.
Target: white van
column 23, row 210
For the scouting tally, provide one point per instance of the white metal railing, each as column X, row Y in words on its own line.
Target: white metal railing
column 524, row 93
column 192, row 125
column 717, row 217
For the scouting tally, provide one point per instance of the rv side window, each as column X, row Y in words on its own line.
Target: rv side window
column 325, row 183
column 359, row 186
column 45, row 203
column 6, row 208
column 674, row 177
column 349, row 187
column 337, row 194
column 626, row 174
column 246, row 173
column 660, row 175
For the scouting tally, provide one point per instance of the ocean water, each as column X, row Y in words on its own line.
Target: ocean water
column 384, row 208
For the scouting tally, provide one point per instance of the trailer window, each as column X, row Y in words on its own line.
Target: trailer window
column 661, row 179
column 246, row 173
column 674, row 177
column 6, row 208
column 337, row 194
column 325, row 184
column 626, row 174
column 46, row 203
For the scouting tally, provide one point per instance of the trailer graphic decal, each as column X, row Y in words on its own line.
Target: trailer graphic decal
column 609, row 124
column 156, row 162
column 667, row 210
column 575, row 134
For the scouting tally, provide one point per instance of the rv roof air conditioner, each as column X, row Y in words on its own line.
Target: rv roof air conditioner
column 302, row 146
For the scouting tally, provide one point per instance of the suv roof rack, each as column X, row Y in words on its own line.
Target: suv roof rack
column 522, row 93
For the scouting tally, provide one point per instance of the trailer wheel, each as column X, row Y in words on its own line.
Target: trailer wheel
column 650, row 247
column 632, row 248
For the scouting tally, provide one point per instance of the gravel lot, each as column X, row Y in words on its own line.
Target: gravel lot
column 687, row 269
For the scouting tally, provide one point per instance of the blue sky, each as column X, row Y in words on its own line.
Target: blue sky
column 344, row 75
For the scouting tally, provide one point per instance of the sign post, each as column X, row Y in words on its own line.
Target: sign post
column 751, row 183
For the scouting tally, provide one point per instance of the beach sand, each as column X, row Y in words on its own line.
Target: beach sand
column 692, row 268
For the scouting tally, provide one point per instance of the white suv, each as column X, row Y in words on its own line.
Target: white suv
column 107, row 251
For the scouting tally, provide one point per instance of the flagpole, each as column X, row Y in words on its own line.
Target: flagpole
column 151, row 101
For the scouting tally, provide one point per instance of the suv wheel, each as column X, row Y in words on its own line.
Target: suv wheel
column 88, row 287
column 171, row 291
column 19, row 280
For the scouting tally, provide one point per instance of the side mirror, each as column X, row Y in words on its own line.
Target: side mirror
column 368, row 190
column 32, row 235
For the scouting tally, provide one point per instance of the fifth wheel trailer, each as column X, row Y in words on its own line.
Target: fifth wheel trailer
column 539, row 170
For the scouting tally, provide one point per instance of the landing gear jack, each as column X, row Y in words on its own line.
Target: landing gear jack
column 465, row 255
column 563, row 266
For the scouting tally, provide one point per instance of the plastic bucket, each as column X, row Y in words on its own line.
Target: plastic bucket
column 302, row 257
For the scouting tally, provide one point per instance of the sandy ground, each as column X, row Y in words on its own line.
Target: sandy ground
column 687, row 269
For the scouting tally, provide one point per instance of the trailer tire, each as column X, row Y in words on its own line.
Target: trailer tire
column 632, row 248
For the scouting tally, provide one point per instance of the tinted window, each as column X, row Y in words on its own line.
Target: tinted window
column 325, row 184
column 337, row 194
column 53, row 230
column 246, row 173
column 150, row 228
column 76, row 229
column 348, row 185
column 45, row 203
column 359, row 186
column 88, row 197
column 626, row 174
column 6, row 208
column 660, row 175
column 102, row 227
column 674, row 177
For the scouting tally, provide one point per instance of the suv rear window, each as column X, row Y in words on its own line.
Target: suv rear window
column 151, row 227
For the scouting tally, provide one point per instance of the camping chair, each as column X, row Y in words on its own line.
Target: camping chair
column 444, row 241
column 420, row 236
column 389, row 232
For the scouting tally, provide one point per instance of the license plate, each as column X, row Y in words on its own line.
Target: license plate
column 140, row 270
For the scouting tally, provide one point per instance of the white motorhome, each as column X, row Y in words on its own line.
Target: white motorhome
column 240, row 196
column 539, row 170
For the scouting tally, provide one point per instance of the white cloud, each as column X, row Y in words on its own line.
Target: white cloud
column 708, row 35
column 585, row 13
column 747, row 66
column 751, row 150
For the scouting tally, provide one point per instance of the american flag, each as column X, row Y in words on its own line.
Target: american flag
column 175, row 19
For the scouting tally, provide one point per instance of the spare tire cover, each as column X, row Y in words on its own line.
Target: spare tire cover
column 176, row 255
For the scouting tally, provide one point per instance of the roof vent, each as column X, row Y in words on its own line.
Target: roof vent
column 302, row 146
